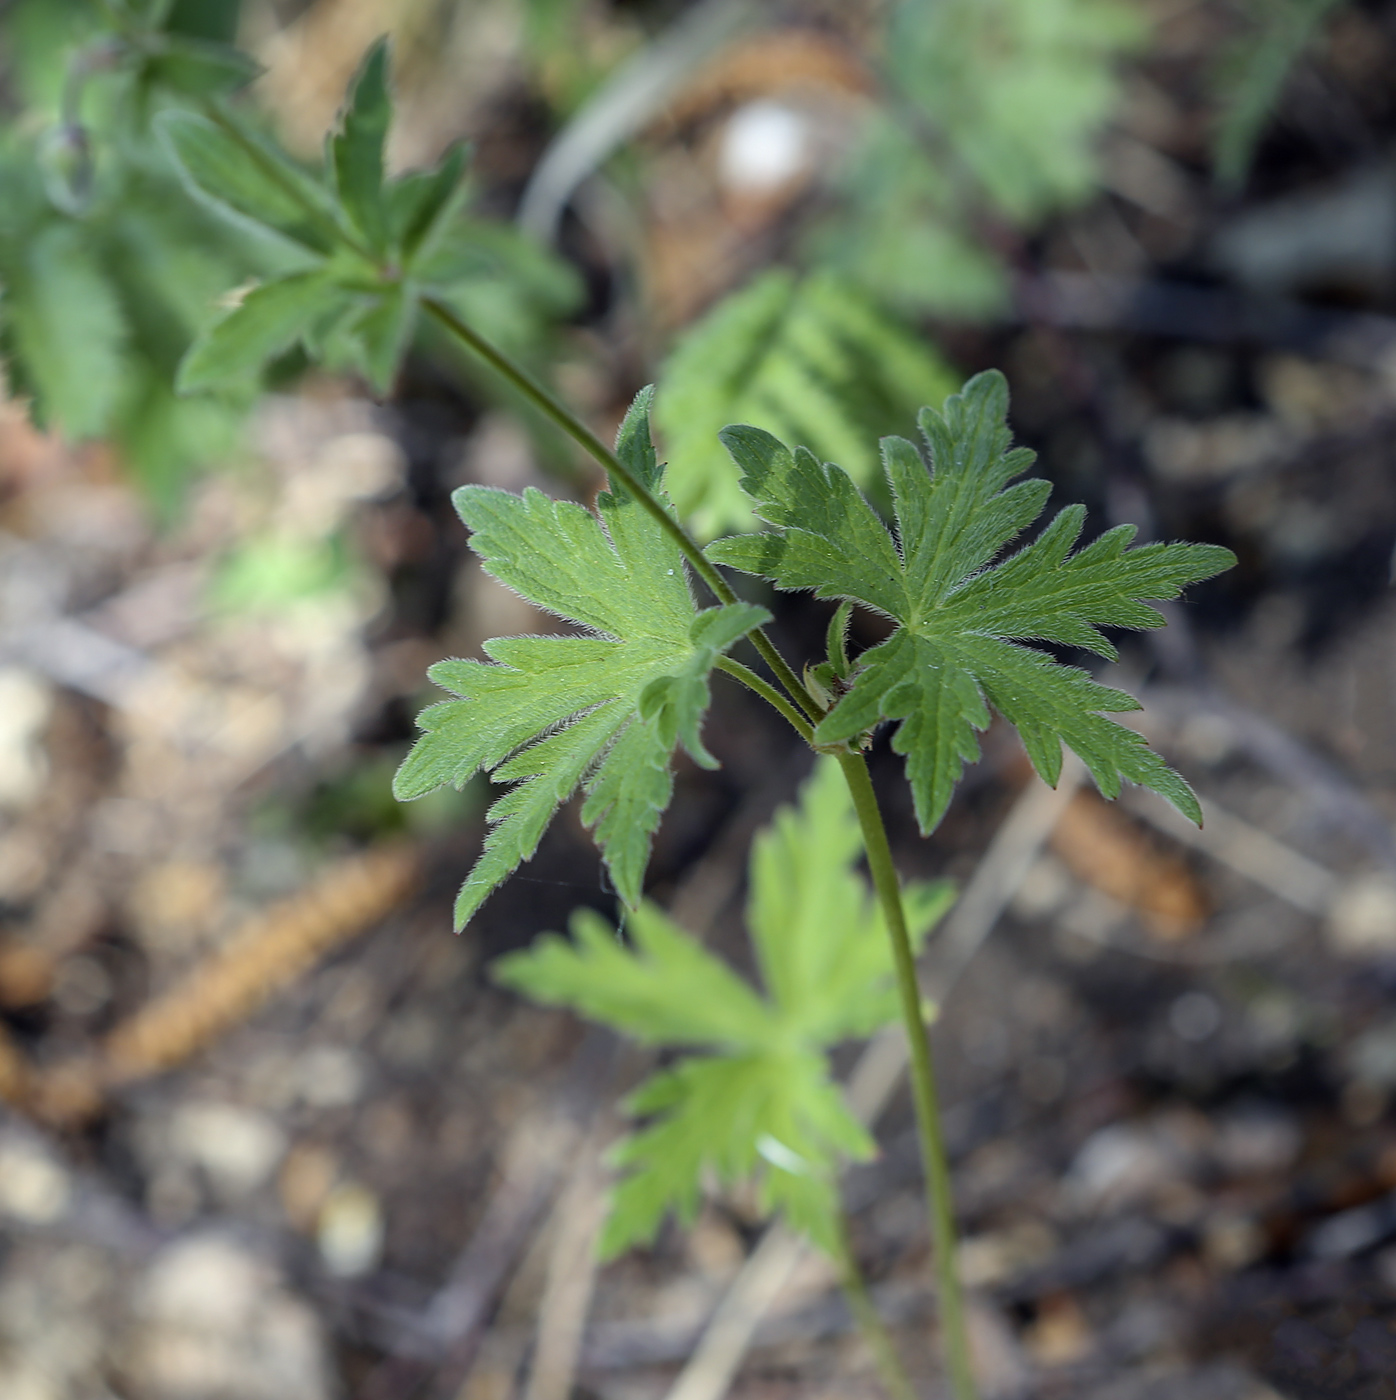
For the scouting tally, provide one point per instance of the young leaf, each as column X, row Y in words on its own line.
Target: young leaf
column 249, row 180
column 603, row 711
column 812, row 360
column 268, row 320
column 356, row 150
column 762, row 1101
column 955, row 651
column 420, row 204
column 772, row 1114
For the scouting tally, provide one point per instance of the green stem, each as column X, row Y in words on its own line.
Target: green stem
column 578, row 431
column 768, row 693
column 875, row 1334
column 939, row 1197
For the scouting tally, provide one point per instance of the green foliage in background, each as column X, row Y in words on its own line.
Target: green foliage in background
column 603, row 711
column 812, row 360
column 993, row 112
column 1252, row 75
column 760, row 1099
column 994, row 106
column 110, row 270
column 367, row 249
column 960, row 616
column 105, row 267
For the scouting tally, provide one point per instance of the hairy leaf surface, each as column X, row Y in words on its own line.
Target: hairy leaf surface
column 962, row 618
column 602, row 711
column 761, row 1101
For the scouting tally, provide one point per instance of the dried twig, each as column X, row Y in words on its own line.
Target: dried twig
column 572, row 1265
column 14, row 1072
column 1249, row 851
column 271, row 951
column 1102, row 846
column 728, row 1335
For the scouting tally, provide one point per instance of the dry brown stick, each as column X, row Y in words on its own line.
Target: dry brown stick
column 449, row 1331
column 270, row 952
column 435, row 1349
column 1250, row 851
column 572, row 1265
column 14, row 1072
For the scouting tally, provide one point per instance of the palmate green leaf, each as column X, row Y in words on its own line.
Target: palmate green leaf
column 367, row 250
column 994, row 106
column 809, row 359
column 903, row 232
column 956, row 650
column 380, row 332
column 420, row 204
column 602, row 711
column 821, row 942
column 761, row 1102
column 1019, row 90
column 663, row 988
column 773, row 1114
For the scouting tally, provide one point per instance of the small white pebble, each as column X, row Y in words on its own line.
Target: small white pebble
column 350, row 1231
column 330, row 1076
column 33, row 1187
column 765, row 145
column 1363, row 918
column 238, row 1147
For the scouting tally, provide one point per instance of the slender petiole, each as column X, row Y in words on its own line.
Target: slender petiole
column 940, row 1201
column 768, row 693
